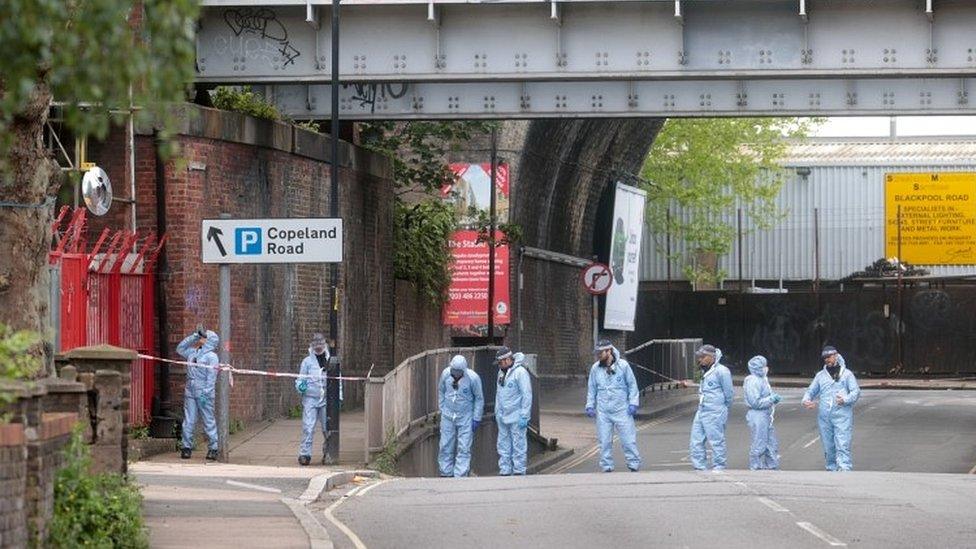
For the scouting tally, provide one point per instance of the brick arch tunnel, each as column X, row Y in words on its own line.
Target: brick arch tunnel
column 561, row 175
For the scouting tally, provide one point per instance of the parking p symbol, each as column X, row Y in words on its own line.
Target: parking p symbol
column 247, row 240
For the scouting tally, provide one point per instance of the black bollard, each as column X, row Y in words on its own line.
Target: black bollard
column 331, row 455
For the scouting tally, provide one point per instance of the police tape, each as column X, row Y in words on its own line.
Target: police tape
column 685, row 382
column 231, row 369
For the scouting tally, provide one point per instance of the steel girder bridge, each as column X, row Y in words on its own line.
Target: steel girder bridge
column 428, row 59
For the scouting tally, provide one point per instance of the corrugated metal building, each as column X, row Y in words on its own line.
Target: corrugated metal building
column 844, row 180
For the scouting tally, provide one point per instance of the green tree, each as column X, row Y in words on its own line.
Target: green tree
column 423, row 223
column 708, row 168
column 92, row 57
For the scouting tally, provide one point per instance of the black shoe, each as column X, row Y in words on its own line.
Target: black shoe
column 185, row 453
column 304, row 460
column 211, row 455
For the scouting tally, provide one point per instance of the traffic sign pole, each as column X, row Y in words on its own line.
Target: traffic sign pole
column 596, row 320
column 596, row 279
column 223, row 383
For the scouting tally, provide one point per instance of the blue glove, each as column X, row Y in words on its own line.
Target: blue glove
column 523, row 422
column 303, row 386
column 475, row 424
column 203, row 400
column 590, row 412
column 776, row 398
column 632, row 410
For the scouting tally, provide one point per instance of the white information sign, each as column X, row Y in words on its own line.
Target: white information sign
column 287, row 240
column 625, row 244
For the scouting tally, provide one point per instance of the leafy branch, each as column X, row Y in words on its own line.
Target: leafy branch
column 423, row 222
column 705, row 169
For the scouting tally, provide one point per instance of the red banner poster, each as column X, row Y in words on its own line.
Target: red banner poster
column 466, row 310
column 468, row 296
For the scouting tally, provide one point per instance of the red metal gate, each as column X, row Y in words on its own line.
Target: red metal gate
column 108, row 296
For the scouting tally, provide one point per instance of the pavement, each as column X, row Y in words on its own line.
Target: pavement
column 735, row 509
column 259, row 499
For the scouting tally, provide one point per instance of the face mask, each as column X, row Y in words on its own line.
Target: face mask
column 834, row 371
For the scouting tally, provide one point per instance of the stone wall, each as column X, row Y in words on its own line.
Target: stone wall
column 13, row 486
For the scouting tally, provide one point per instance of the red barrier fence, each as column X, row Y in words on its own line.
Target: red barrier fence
column 108, row 296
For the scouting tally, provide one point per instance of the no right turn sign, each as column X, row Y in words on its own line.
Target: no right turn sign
column 597, row 278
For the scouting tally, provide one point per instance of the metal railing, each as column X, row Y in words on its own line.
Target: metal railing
column 407, row 396
column 663, row 360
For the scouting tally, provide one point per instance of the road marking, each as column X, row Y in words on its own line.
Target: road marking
column 824, row 536
column 362, row 492
column 318, row 536
column 811, row 443
column 773, row 505
column 585, row 456
column 254, row 487
column 358, row 543
column 353, row 492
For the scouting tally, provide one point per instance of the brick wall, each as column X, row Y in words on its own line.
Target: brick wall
column 13, row 486
column 229, row 163
column 418, row 324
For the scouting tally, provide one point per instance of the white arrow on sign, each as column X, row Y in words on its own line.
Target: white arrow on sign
column 292, row 240
column 596, row 278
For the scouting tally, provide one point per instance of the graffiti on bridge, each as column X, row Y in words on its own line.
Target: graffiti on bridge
column 264, row 23
column 367, row 94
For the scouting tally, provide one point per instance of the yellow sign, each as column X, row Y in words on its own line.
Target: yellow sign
column 936, row 224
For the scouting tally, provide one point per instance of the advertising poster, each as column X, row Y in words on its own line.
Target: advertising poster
column 468, row 295
column 938, row 218
column 625, row 244
column 466, row 310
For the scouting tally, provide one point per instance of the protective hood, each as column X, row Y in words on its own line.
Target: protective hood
column 212, row 343
column 757, row 366
column 311, row 353
column 458, row 362
column 718, row 360
column 841, row 363
column 518, row 359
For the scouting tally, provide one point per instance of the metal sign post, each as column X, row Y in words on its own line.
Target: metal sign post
column 289, row 240
column 596, row 279
column 223, row 377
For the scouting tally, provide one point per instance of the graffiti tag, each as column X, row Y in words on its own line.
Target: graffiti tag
column 367, row 94
column 264, row 23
